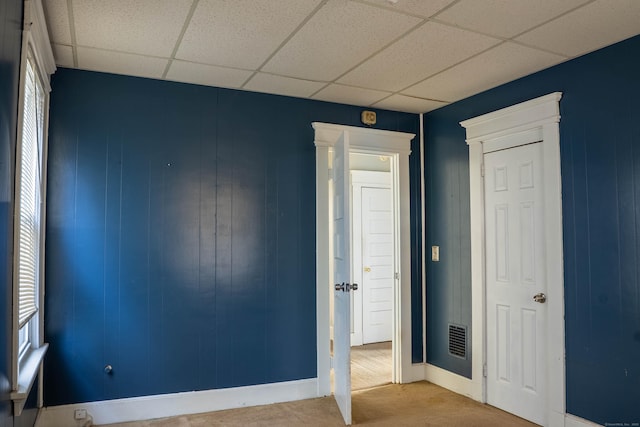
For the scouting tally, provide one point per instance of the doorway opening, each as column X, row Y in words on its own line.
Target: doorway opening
column 373, row 237
column 333, row 248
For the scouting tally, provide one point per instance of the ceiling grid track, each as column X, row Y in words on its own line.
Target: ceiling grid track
column 425, row 20
column 400, row 37
column 284, row 42
column 72, row 30
column 187, row 22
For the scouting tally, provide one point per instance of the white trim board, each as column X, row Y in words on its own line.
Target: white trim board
column 175, row 404
column 573, row 421
column 449, row 380
column 397, row 145
column 539, row 119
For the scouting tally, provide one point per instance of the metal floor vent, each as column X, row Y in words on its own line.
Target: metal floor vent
column 458, row 341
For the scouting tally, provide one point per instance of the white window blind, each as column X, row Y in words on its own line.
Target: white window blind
column 29, row 195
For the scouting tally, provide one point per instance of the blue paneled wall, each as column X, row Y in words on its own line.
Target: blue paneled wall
column 600, row 162
column 181, row 236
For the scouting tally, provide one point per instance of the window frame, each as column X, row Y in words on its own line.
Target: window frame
column 31, row 337
column 28, row 347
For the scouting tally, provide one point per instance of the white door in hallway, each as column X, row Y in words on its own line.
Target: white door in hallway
column 377, row 261
column 515, row 280
column 342, row 278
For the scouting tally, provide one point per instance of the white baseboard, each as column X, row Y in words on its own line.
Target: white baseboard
column 412, row 373
column 573, row 421
column 450, row 381
column 174, row 404
column 467, row 387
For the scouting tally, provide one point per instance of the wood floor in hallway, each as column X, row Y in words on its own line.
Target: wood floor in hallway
column 371, row 365
column 415, row 404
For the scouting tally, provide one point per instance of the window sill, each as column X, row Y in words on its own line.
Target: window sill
column 28, row 370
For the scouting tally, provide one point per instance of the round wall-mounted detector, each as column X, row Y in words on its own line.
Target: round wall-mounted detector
column 368, row 117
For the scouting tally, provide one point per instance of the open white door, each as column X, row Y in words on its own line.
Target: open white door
column 342, row 276
column 397, row 145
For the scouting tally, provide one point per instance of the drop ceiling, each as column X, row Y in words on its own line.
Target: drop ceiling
column 405, row 55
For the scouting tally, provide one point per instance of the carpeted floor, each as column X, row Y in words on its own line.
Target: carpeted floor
column 415, row 404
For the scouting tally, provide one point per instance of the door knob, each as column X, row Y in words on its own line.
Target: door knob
column 346, row 287
column 367, row 269
column 541, row 298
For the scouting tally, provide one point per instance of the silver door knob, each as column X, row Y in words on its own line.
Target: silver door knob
column 541, row 298
column 354, row 287
column 340, row 286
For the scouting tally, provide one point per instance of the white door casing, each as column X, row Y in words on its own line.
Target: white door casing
column 397, row 145
column 534, row 120
column 342, row 277
column 365, row 181
column 515, row 272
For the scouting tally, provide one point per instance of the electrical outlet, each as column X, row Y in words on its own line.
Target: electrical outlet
column 80, row 414
column 435, row 253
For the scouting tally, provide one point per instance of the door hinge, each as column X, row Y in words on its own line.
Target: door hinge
column 396, row 276
column 330, row 173
column 484, row 370
column 482, row 169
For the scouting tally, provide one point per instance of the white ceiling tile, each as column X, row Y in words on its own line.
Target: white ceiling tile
column 350, row 95
column 505, row 18
column 338, row 37
column 120, row 63
column 279, row 85
column 333, row 36
column 426, row 51
column 417, row 7
column 208, row 75
column 63, row 55
column 501, row 64
column 593, row 26
column 149, row 27
column 409, row 104
column 241, row 33
column 57, row 17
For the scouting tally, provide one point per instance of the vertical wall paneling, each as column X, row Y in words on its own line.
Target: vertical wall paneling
column 448, row 291
column 415, row 207
column 181, row 236
column 600, row 165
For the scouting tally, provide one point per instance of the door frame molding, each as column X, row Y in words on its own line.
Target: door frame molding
column 538, row 118
column 396, row 145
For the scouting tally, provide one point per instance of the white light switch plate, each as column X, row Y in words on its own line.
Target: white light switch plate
column 435, row 253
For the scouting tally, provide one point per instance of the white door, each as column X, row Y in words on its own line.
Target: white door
column 515, row 274
column 342, row 278
column 377, row 261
